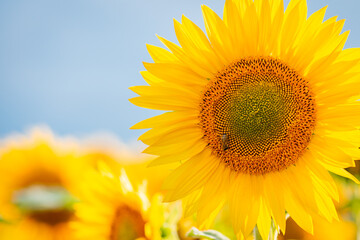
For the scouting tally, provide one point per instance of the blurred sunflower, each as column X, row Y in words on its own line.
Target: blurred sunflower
column 323, row 230
column 112, row 209
column 260, row 110
column 37, row 186
column 135, row 165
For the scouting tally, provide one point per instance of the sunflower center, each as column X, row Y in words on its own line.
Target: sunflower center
column 52, row 217
column 51, row 205
column 251, row 117
column 258, row 115
column 127, row 224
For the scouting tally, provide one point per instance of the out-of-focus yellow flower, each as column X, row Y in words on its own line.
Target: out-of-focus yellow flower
column 39, row 176
column 109, row 149
column 136, row 167
column 112, row 209
column 323, row 230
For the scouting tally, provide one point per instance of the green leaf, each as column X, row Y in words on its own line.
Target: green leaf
column 207, row 234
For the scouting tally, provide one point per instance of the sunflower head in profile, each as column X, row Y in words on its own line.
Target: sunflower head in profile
column 37, row 187
column 112, row 209
column 259, row 110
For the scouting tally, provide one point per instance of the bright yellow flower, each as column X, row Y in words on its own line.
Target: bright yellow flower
column 260, row 110
column 111, row 209
column 38, row 178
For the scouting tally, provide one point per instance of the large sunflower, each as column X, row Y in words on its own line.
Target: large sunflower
column 38, row 181
column 259, row 111
column 112, row 209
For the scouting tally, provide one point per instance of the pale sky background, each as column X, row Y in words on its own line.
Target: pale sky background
column 68, row 64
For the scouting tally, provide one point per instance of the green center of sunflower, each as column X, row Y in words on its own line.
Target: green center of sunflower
column 50, row 205
column 258, row 115
column 255, row 119
column 127, row 224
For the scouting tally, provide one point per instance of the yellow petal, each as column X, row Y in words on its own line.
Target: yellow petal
column 167, row 118
column 272, row 185
column 190, row 176
column 160, row 55
column 264, row 220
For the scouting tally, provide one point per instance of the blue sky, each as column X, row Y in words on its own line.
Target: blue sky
column 68, row 64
